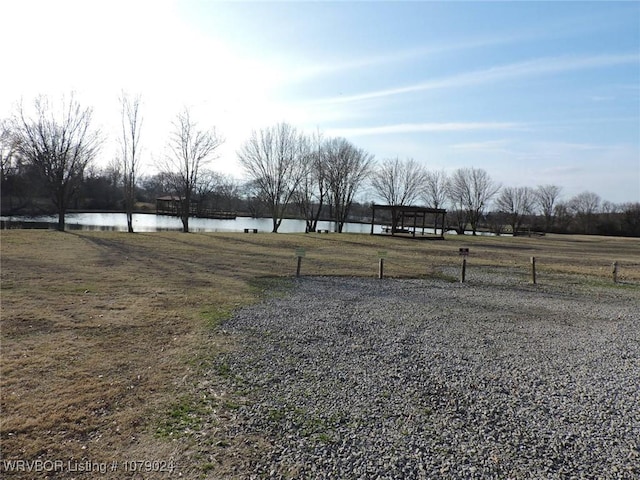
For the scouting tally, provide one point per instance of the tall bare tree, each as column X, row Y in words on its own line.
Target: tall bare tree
column 516, row 203
column 312, row 192
column 60, row 143
column 584, row 206
column 435, row 190
column 471, row 189
column 547, row 196
column 275, row 159
column 130, row 151
column 399, row 183
column 347, row 167
column 458, row 209
column 191, row 149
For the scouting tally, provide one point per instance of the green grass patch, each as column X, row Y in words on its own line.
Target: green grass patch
column 276, row 414
column 184, row 417
column 215, row 315
column 231, row 404
column 223, row 369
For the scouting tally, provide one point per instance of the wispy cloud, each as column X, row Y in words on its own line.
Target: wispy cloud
column 539, row 66
column 423, row 127
column 488, row 146
column 548, row 30
column 399, row 56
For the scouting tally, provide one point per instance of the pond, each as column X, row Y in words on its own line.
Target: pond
column 148, row 222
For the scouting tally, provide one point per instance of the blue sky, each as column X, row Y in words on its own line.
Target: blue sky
column 532, row 92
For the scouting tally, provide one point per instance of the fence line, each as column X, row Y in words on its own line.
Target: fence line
column 616, row 268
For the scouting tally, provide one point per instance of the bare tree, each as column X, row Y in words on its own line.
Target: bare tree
column 562, row 216
column 584, row 206
column 435, row 189
column 470, row 190
column 313, row 189
column 156, row 185
column 8, row 164
column 516, row 203
column 8, row 150
column 207, row 183
column 226, row 193
column 456, row 190
column 399, row 183
column 347, row 167
column 610, row 208
column 20, row 181
column 191, row 149
column 60, row 143
column 130, row 149
column 547, row 197
column 275, row 160
column 216, row 191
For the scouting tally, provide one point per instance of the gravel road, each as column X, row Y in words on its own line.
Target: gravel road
column 385, row 379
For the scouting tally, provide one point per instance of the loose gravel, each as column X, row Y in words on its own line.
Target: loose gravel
column 384, row 379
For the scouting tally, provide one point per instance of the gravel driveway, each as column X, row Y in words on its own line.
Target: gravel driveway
column 363, row 378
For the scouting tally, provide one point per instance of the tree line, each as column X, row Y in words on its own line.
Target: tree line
column 48, row 155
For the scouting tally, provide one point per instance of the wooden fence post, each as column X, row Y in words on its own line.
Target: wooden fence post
column 463, row 251
column 533, row 270
column 614, row 271
column 300, row 252
column 382, row 254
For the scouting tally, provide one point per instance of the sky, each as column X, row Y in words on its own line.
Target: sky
column 532, row 92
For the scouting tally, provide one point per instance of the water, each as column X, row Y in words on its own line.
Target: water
column 148, row 222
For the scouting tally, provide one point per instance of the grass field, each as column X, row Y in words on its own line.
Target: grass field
column 106, row 335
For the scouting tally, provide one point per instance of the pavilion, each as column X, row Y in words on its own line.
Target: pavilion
column 411, row 219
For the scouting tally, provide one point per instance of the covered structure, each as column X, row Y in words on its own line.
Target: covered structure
column 172, row 205
column 410, row 219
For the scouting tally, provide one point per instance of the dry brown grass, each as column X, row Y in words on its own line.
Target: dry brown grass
column 106, row 336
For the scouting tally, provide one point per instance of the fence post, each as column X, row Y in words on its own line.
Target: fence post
column 614, row 271
column 464, row 270
column 533, row 270
column 300, row 252
column 382, row 254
